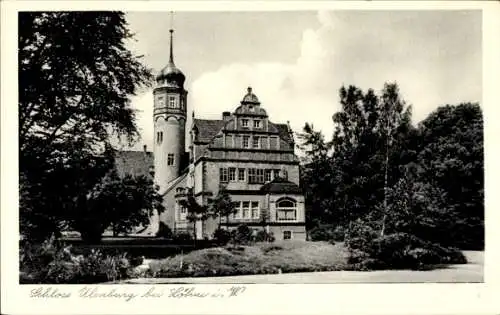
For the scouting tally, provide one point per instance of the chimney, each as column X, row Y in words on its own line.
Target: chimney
column 145, row 148
column 226, row 116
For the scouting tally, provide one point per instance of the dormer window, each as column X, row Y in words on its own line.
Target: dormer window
column 256, row 123
column 172, row 101
column 244, row 123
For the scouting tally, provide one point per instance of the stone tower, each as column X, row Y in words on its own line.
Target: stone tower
column 169, row 122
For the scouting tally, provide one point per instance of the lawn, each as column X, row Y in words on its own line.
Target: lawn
column 261, row 258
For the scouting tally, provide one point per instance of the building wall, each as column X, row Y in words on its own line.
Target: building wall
column 212, row 177
column 169, row 215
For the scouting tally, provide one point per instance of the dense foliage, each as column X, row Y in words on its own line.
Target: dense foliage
column 75, row 79
column 381, row 177
column 53, row 262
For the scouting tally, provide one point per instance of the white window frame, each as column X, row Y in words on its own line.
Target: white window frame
column 247, row 144
column 231, row 171
column 257, row 123
column 248, row 214
column 288, row 209
column 239, row 173
column 268, row 175
column 244, row 123
column 172, row 101
column 223, row 175
column 254, row 138
column 256, row 214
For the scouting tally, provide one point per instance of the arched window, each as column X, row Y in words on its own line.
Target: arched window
column 286, row 209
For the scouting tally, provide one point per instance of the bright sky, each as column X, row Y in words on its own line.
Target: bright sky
column 297, row 61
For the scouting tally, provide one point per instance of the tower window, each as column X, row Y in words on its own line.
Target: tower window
column 256, row 123
column 159, row 137
column 170, row 159
column 172, row 101
column 246, row 141
column 244, row 123
column 255, row 142
column 161, row 101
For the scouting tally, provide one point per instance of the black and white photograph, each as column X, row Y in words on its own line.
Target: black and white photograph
column 154, row 149
column 312, row 146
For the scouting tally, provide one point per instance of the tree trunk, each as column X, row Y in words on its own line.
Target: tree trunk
column 387, row 143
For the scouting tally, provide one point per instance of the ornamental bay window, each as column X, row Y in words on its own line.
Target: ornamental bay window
column 286, row 209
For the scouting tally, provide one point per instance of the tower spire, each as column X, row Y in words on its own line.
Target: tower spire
column 171, row 59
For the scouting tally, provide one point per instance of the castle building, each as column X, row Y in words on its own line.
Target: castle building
column 244, row 153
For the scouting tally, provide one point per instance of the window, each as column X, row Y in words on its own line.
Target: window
column 229, row 141
column 241, row 174
column 268, row 175
column 255, row 142
column 159, row 137
column 237, row 206
column 223, row 175
column 244, row 123
column 172, row 101
column 232, row 174
column 252, row 175
column 255, row 209
column 287, row 235
column 246, row 209
column 182, row 212
column 246, row 141
column 256, row 123
column 161, row 101
column 286, row 210
column 170, row 159
column 276, row 174
column 260, row 175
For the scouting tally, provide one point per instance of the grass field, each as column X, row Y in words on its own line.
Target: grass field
column 261, row 258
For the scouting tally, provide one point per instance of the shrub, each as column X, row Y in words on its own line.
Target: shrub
column 242, row 235
column 263, row 236
column 182, row 236
column 399, row 251
column 222, row 236
column 52, row 262
column 164, row 231
column 327, row 233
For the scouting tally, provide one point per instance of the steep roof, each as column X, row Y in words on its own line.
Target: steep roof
column 135, row 163
column 283, row 132
column 281, row 185
column 207, row 129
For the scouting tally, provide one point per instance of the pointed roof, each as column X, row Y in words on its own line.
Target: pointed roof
column 207, row 129
column 172, row 75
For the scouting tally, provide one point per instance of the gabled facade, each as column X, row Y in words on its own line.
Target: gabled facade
column 244, row 153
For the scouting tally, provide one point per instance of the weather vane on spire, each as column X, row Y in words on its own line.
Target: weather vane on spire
column 171, row 36
column 171, row 21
